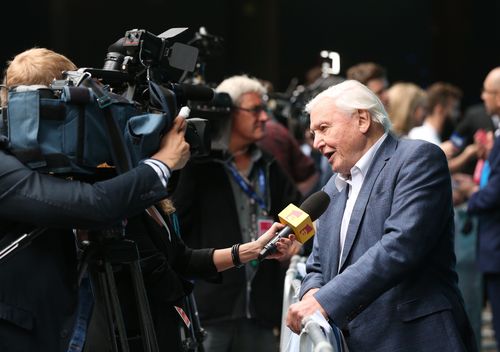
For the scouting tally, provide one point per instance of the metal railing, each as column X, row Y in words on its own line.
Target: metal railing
column 312, row 337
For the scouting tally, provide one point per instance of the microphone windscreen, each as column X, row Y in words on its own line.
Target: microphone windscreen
column 196, row 92
column 316, row 204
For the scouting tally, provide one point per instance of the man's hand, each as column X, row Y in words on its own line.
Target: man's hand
column 174, row 150
column 298, row 311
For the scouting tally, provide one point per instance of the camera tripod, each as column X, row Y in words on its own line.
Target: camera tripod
column 101, row 258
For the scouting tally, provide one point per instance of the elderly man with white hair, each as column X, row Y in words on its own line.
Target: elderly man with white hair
column 382, row 266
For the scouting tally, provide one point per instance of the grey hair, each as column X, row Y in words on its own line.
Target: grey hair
column 350, row 96
column 236, row 86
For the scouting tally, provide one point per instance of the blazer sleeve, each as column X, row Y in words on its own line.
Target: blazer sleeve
column 43, row 200
column 314, row 277
column 488, row 198
column 421, row 211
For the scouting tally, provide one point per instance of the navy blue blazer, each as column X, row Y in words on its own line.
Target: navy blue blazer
column 486, row 205
column 38, row 285
column 396, row 287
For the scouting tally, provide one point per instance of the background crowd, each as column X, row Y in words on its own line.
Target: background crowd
column 267, row 161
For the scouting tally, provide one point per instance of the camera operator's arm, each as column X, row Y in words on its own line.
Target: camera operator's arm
column 43, row 200
column 29, row 197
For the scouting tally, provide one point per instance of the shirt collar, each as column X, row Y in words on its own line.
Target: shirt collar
column 359, row 170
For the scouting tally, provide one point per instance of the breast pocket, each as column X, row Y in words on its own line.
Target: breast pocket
column 16, row 316
column 16, row 329
column 423, row 307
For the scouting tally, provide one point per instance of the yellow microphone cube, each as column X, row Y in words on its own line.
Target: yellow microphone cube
column 299, row 221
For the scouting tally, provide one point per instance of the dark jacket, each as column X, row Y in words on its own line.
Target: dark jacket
column 208, row 216
column 38, row 291
column 486, row 205
column 165, row 263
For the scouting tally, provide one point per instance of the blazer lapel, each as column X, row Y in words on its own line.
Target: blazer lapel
column 338, row 202
column 379, row 161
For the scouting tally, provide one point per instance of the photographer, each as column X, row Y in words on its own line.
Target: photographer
column 231, row 197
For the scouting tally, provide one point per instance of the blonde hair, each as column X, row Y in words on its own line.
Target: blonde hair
column 167, row 206
column 404, row 99
column 37, row 66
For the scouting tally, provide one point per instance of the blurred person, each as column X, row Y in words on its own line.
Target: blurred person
column 280, row 143
column 407, row 107
column 443, row 103
column 476, row 117
column 373, row 76
column 382, row 266
column 484, row 203
column 232, row 197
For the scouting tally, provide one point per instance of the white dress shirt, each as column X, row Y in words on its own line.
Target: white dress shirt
column 354, row 182
column 426, row 133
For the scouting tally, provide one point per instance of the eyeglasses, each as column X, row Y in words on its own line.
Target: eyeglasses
column 255, row 111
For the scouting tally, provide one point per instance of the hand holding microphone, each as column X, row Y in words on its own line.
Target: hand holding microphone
column 298, row 221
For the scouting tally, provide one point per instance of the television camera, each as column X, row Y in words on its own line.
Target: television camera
column 113, row 117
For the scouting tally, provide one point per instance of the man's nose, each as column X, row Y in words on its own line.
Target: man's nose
column 263, row 116
column 318, row 141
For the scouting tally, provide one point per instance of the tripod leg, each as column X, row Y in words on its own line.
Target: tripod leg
column 106, row 303
column 199, row 332
column 147, row 327
column 115, row 304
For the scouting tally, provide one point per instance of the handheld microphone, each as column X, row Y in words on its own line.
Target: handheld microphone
column 298, row 221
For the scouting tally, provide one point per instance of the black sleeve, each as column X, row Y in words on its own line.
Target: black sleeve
column 198, row 263
column 43, row 200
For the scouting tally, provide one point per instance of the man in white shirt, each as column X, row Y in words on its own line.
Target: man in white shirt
column 382, row 266
column 443, row 104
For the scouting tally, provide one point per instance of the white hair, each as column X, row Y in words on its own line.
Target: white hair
column 350, row 96
column 236, row 86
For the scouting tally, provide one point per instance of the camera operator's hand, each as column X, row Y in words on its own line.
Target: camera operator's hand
column 174, row 150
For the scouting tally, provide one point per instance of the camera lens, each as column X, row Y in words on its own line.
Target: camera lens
column 113, row 61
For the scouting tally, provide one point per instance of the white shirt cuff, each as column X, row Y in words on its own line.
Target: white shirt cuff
column 161, row 170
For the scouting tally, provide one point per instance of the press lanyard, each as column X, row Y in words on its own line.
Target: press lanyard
column 247, row 187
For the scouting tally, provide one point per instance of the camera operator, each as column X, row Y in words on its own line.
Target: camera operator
column 37, row 306
column 39, row 292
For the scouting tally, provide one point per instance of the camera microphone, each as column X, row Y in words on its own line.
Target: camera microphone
column 298, row 221
column 185, row 92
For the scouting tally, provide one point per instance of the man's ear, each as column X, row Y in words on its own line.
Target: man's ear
column 364, row 121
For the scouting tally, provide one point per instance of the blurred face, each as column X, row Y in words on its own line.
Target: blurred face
column 379, row 87
column 452, row 109
column 418, row 116
column 338, row 135
column 490, row 96
column 249, row 118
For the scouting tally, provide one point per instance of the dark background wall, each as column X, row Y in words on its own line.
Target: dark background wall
column 419, row 40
